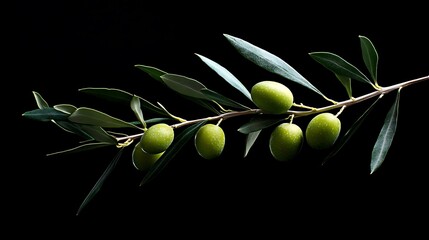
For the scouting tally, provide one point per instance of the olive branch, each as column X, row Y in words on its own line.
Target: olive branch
column 96, row 127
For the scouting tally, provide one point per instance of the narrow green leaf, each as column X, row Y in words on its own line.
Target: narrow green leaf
column 111, row 94
column 81, row 148
column 100, row 181
column 186, row 135
column 88, row 132
column 269, row 62
column 225, row 74
column 215, row 96
column 135, row 106
column 157, row 73
column 184, row 85
column 45, row 114
column 65, row 108
column 152, row 71
column 121, row 96
column 41, row 103
column 97, row 133
column 74, row 128
column 259, row 123
column 370, row 56
column 152, row 121
column 91, row 116
column 385, row 136
column 352, row 130
column 250, row 140
column 346, row 81
column 339, row 66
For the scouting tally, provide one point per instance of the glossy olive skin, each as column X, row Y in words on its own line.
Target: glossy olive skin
column 157, row 138
column 272, row 97
column 209, row 141
column 142, row 160
column 323, row 130
column 286, row 141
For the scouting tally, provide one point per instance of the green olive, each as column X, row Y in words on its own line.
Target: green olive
column 209, row 141
column 142, row 160
column 272, row 97
column 157, row 138
column 323, row 130
column 286, row 141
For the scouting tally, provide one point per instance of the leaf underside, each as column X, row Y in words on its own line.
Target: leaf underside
column 225, row 74
column 250, row 140
column 385, row 137
column 269, row 62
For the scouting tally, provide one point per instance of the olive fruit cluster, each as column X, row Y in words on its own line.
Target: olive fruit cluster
column 152, row 145
column 287, row 139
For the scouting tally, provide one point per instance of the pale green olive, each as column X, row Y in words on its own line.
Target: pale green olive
column 272, row 97
column 286, row 141
column 209, row 141
column 157, row 138
column 323, row 130
column 142, row 160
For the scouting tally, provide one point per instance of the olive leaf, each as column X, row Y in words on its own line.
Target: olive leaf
column 88, row 132
column 184, row 85
column 41, row 103
column 119, row 95
column 85, row 115
column 225, row 74
column 269, row 62
column 74, row 128
column 346, row 81
column 189, row 88
column 83, row 147
column 180, row 86
column 46, row 114
column 179, row 141
column 250, row 140
column 370, row 56
column 217, row 97
column 98, row 134
column 152, row 120
column 111, row 94
column 152, row 71
column 65, row 108
column 100, row 181
column 259, row 123
column 135, row 106
column 385, row 137
column 339, row 66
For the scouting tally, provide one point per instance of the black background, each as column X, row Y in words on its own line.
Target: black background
column 64, row 46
